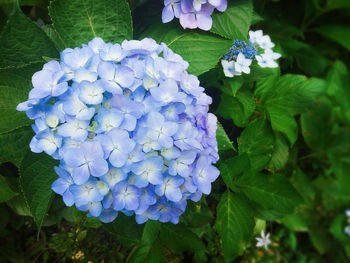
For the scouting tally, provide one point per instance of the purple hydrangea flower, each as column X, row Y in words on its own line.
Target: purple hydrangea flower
column 130, row 128
column 192, row 13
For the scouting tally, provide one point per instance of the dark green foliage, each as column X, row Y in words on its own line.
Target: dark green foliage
column 78, row 22
column 283, row 136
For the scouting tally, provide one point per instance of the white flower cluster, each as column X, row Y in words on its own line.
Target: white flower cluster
column 239, row 58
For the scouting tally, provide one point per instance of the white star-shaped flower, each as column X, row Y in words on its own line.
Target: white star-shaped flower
column 263, row 241
column 242, row 64
column 255, row 36
column 229, row 68
column 274, row 55
column 266, row 61
column 265, row 42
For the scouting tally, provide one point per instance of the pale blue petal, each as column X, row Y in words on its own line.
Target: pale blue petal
column 68, row 198
column 95, row 209
column 98, row 167
column 81, row 174
column 108, row 216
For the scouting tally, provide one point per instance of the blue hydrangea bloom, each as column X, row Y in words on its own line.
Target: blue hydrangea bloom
column 130, row 128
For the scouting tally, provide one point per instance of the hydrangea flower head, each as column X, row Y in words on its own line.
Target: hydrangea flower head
column 242, row 54
column 192, row 13
column 130, row 128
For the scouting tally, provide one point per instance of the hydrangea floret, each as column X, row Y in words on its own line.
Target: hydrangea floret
column 347, row 227
column 242, row 54
column 192, row 13
column 130, row 128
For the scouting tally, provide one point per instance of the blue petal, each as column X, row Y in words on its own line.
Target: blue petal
column 98, row 167
column 118, row 203
column 81, row 174
column 60, row 186
column 95, row 209
column 108, row 216
column 68, row 198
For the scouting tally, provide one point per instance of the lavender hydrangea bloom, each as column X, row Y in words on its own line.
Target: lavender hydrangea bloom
column 192, row 13
column 130, row 128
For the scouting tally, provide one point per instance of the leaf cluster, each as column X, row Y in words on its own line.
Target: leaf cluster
column 283, row 136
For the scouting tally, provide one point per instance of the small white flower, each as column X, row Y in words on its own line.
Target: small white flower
column 265, row 42
column 242, row 64
column 264, row 241
column 274, row 55
column 347, row 212
column 229, row 68
column 255, row 36
column 266, row 61
column 347, row 230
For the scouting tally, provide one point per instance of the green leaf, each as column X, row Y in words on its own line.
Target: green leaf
column 338, row 80
column 17, row 203
column 316, row 125
column 6, row 192
column 232, row 168
column 303, row 184
column 267, row 214
column 270, row 191
column 238, row 107
column 337, row 228
column 147, row 254
column 19, row 206
column 232, row 86
column 311, row 61
column 125, row 229
column 166, row 33
column 14, row 87
column 36, row 177
column 22, row 42
column 235, row 224
column 258, row 73
column 337, row 33
column 280, row 154
column 197, row 214
column 71, row 214
column 201, row 50
column 151, row 231
column 78, row 22
column 292, row 93
column 256, row 18
column 178, row 238
column 267, row 83
column 257, row 141
column 234, row 23
column 150, row 250
column 282, row 121
column 22, row 2
column 337, row 4
column 15, row 144
column 224, row 142
column 297, row 221
column 320, row 237
column 53, row 35
column 337, row 194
